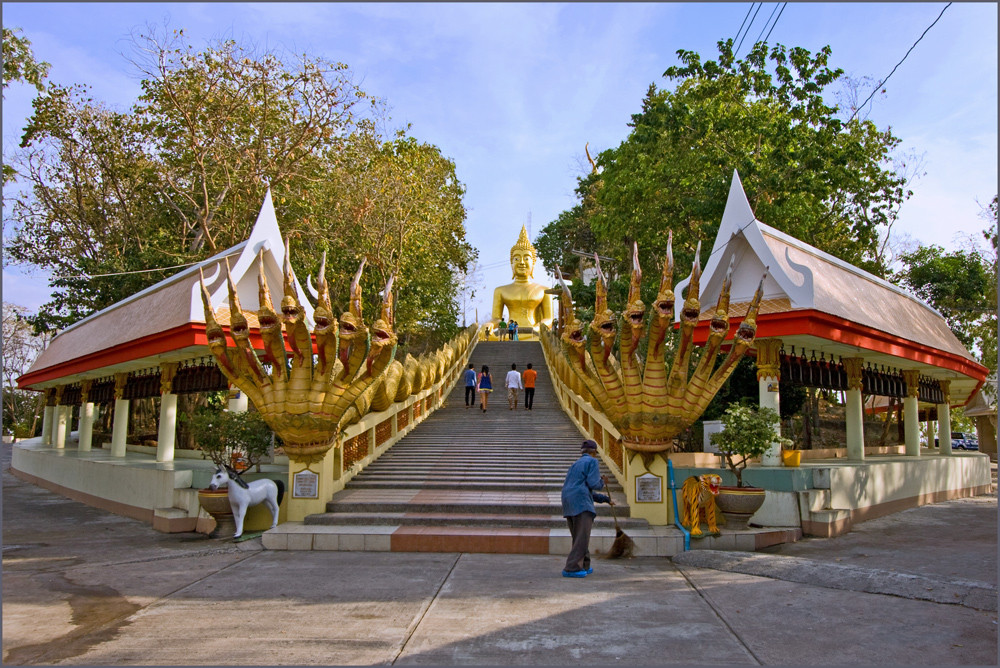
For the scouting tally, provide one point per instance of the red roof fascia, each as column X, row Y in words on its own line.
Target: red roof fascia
column 830, row 327
column 190, row 334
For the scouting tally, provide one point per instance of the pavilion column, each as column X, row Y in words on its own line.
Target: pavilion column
column 944, row 419
column 855, row 410
column 911, row 413
column 768, row 376
column 167, row 435
column 86, row 417
column 47, row 416
column 60, row 425
column 119, row 432
column 237, row 401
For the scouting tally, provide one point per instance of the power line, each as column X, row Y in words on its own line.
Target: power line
column 748, row 29
column 861, row 106
column 137, row 271
column 776, row 21
column 744, row 21
column 766, row 22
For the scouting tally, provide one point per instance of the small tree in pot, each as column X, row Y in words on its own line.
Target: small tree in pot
column 231, row 439
column 747, row 433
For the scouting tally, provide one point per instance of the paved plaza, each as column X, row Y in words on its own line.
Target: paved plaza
column 81, row 586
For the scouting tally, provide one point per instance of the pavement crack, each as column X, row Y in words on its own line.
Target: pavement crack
column 720, row 616
column 423, row 612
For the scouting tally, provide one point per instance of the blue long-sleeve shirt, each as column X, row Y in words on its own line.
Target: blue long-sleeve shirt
column 578, row 492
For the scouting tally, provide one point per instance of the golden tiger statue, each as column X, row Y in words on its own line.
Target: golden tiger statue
column 699, row 496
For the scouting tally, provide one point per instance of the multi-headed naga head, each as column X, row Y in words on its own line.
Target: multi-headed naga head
column 304, row 405
column 649, row 403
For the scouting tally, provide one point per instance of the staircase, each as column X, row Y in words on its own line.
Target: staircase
column 468, row 481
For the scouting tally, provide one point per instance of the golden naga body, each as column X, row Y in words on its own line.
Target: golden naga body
column 525, row 301
column 648, row 403
column 304, row 400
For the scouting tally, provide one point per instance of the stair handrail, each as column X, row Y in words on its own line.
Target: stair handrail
column 568, row 399
column 369, row 423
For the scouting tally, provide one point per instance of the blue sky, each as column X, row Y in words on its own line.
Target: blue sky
column 513, row 92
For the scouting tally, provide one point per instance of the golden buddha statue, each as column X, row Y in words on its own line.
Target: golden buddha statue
column 526, row 301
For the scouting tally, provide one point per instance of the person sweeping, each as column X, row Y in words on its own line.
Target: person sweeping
column 579, row 492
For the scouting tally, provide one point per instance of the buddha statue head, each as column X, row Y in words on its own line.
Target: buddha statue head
column 523, row 257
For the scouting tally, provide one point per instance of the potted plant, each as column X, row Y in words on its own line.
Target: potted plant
column 747, row 433
column 235, row 440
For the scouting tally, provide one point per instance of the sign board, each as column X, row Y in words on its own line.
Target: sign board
column 711, row 427
column 649, row 488
column 305, row 485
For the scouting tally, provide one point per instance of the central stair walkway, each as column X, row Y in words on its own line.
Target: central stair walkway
column 465, row 480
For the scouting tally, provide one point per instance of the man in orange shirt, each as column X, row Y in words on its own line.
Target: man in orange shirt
column 528, row 377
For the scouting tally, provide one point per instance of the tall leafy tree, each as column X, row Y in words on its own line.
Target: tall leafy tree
column 19, row 64
column 182, row 174
column 807, row 172
column 962, row 285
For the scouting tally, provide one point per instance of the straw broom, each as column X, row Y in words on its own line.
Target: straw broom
column 624, row 546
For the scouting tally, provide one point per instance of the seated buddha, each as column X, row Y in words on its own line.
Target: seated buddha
column 526, row 301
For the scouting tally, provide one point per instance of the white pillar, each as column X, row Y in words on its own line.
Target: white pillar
column 119, row 431
column 47, row 418
column 62, row 418
column 944, row 419
column 770, row 398
column 238, row 401
column 855, row 410
column 168, row 428
column 911, row 426
column 86, row 426
column 911, row 414
column 855, row 426
column 768, row 375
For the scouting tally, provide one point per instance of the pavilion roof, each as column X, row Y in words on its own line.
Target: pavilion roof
column 821, row 304
column 166, row 321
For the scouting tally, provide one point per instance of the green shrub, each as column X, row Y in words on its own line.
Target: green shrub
column 222, row 434
column 747, row 433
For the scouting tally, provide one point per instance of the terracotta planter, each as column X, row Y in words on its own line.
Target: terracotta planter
column 216, row 504
column 739, row 504
column 791, row 457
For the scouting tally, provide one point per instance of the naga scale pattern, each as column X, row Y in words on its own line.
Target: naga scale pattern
column 333, row 377
column 647, row 402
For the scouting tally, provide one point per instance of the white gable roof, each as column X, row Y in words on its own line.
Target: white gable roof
column 176, row 301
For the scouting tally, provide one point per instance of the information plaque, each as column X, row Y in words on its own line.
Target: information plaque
column 305, row 485
column 649, row 488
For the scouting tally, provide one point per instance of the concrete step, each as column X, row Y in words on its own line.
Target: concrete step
column 466, row 519
column 651, row 542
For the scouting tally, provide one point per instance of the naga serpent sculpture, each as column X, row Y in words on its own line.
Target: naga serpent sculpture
column 648, row 404
column 307, row 400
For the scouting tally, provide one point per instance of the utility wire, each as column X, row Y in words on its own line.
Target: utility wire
column 861, row 106
column 137, row 271
column 776, row 21
column 744, row 21
column 766, row 22
column 748, row 29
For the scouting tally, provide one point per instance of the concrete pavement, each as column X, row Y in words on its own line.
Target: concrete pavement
column 81, row 586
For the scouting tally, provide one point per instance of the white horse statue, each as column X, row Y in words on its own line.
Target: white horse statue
column 242, row 495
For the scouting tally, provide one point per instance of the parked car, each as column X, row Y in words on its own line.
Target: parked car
column 961, row 440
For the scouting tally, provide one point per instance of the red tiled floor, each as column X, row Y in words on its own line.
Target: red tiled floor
column 463, row 539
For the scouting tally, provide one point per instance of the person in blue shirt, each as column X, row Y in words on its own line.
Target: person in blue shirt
column 578, row 496
column 470, row 386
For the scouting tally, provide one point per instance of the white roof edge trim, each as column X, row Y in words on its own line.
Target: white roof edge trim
column 861, row 273
column 159, row 286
